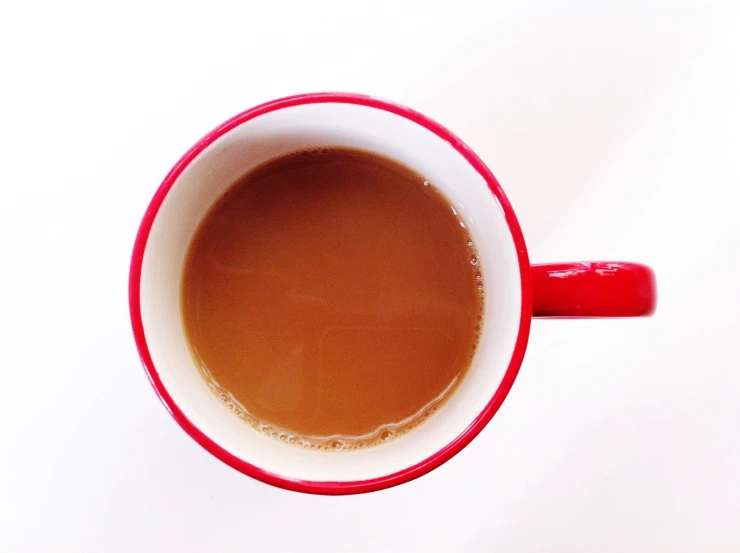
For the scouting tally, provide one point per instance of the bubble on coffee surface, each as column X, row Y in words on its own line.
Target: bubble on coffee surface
column 310, row 152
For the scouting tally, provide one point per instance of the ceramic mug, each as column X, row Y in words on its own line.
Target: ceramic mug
column 519, row 291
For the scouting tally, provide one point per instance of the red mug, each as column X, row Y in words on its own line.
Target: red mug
column 520, row 291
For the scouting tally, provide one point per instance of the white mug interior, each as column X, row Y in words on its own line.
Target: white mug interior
column 271, row 135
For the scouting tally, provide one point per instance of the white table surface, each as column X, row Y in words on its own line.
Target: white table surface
column 614, row 128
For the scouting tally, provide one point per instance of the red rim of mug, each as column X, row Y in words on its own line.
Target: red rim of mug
column 332, row 487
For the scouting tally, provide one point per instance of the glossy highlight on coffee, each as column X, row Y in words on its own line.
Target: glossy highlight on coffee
column 333, row 299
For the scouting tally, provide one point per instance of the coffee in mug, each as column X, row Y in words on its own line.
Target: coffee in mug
column 333, row 298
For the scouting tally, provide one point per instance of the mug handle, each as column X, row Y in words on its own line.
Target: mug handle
column 593, row 289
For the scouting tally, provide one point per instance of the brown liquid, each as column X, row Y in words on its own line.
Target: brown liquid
column 332, row 298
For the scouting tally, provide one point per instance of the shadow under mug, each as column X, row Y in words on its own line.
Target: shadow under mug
column 518, row 291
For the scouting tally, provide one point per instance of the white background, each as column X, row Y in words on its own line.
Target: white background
column 614, row 127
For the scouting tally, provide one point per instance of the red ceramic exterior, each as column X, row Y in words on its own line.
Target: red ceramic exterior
column 342, row 487
column 565, row 290
column 603, row 289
